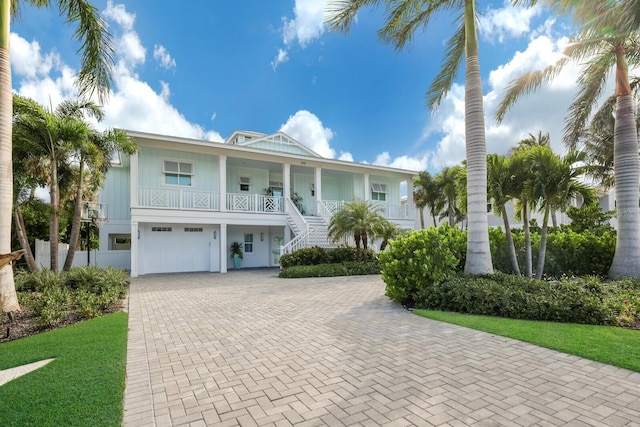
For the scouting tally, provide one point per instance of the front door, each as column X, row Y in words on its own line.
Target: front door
column 278, row 241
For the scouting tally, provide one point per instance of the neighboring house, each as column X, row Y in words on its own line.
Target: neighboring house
column 178, row 204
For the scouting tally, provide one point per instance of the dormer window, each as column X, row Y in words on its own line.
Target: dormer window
column 245, row 183
column 178, row 173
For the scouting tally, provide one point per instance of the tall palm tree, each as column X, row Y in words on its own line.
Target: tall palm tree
column 502, row 188
column 555, row 183
column 605, row 43
column 48, row 135
column 403, row 18
column 94, row 76
column 359, row 219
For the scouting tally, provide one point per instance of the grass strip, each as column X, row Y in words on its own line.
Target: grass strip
column 84, row 386
column 607, row 344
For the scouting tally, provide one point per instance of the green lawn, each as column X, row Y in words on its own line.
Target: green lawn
column 614, row 346
column 84, row 386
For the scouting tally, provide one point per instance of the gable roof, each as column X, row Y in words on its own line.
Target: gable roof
column 278, row 141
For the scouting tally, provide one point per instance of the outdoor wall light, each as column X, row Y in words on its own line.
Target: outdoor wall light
column 138, row 234
column 313, row 189
column 262, row 237
column 215, row 234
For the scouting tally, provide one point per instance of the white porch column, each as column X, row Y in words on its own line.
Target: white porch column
column 135, row 247
column 317, row 183
column 133, row 173
column 411, row 207
column 286, row 182
column 223, row 248
column 223, row 187
column 367, row 193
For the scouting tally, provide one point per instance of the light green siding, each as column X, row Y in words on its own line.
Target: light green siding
column 338, row 187
column 393, row 188
column 206, row 175
column 259, row 179
column 117, row 191
column 277, row 146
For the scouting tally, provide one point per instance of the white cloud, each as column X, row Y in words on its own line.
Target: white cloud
column 283, row 56
column 509, row 21
column 163, row 57
column 306, row 26
column 133, row 103
column 402, row 162
column 307, row 128
column 119, row 15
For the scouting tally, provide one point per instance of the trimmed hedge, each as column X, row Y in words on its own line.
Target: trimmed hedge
column 316, row 255
column 579, row 300
column 350, row 268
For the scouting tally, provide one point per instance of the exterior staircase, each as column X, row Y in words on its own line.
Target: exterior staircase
column 308, row 231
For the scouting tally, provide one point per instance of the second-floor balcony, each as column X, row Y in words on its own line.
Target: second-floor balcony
column 188, row 199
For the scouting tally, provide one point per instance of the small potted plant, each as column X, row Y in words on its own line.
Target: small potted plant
column 236, row 254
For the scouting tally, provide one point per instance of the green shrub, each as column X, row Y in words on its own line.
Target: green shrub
column 568, row 253
column 581, row 300
column 419, row 260
column 86, row 292
column 305, row 256
column 351, row 268
column 349, row 253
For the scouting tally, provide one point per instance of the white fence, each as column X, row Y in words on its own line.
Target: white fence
column 116, row 259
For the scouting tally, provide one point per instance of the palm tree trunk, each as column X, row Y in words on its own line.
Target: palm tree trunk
column 527, row 241
column 422, row 218
column 74, row 236
column 8, row 296
column 22, row 237
column 452, row 215
column 626, row 261
column 54, row 229
column 478, row 248
column 435, row 221
column 543, row 244
column 510, row 244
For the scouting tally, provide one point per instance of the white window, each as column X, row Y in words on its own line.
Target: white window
column 379, row 192
column 161, row 229
column 177, row 173
column 119, row 242
column 248, row 243
column 245, row 183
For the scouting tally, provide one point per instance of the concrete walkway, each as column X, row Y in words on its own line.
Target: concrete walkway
column 247, row 348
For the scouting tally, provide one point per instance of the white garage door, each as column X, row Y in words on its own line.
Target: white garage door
column 175, row 248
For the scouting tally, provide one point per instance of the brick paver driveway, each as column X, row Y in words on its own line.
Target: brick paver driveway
column 247, row 348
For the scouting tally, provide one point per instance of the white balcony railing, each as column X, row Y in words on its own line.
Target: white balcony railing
column 188, row 199
column 178, row 198
column 328, row 208
column 254, row 203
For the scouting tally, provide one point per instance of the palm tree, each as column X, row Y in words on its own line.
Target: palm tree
column 93, row 154
column 427, row 194
column 555, row 183
column 359, row 219
column 49, row 136
column 502, row 188
column 606, row 43
column 94, row 76
column 447, row 182
column 386, row 230
column 403, row 18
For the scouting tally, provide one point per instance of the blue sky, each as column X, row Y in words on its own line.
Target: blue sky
column 213, row 67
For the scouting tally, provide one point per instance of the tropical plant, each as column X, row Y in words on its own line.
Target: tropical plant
column 554, row 182
column 427, row 194
column 386, row 230
column 502, row 188
column 93, row 156
column 359, row 219
column 94, row 76
column 606, row 41
column 403, row 18
column 236, row 249
column 447, row 182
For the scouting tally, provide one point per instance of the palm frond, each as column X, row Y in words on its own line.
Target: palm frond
column 454, row 55
column 340, row 14
column 96, row 47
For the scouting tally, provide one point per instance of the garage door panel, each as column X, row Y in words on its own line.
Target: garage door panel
column 176, row 248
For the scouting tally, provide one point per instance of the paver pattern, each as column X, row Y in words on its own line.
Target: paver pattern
column 247, row 348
